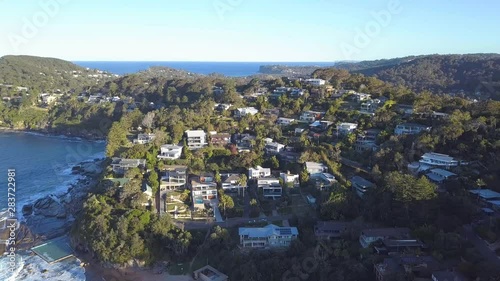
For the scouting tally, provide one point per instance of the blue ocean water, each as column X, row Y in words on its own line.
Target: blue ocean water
column 42, row 163
column 233, row 69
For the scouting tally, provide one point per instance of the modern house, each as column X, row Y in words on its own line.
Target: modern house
column 173, row 178
column 344, row 129
column 315, row 168
column 270, row 236
column 232, row 183
column 241, row 112
column 208, row 273
column 410, row 129
column 282, row 121
column 144, row 138
column 170, row 151
column 359, row 97
column 221, row 139
column 196, row 139
column 271, row 187
column 369, row 236
column 320, row 125
column 439, row 175
column 433, row 159
column 274, row 148
column 297, row 93
column 367, row 140
column 361, row 185
column 290, row 179
column 316, row 82
column 258, row 172
column 120, row 165
column 311, row 116
column 331, row 229
column 203, row 191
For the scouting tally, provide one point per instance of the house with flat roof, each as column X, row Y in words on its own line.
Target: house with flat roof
column 344, row 129
column 369, row 236
column 144, row 138
column 282, row 121
column 258, row 172
column 367, row 140
column 173, row 177
column 311, row 116
column 433, row 159
column 320, row 125
column 273, row 148
column 244, row 111
column 331, row 229
column 271, row 187
column 359, row 97
column 208, row 273
column 439, row 175
column 290, row 179
column 361, row 185
column 315, row 168
column 410, row 129
column 270, row 236
column 203, row 190
column 196, row 139
column 315, row 82
column 220, row 139
column 121, row 165
column 170, row 151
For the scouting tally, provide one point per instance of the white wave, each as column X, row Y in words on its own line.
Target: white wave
column 34, row 268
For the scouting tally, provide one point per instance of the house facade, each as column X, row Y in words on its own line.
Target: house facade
column 120, row 165
column 361, row 185
column 346, row 128
column 258, row 172
column 170, row 151
column 221, row 139
column 196, row 139
column 315, row 168
column 241, row 112
column 144, row 138
column 410, row 129
column 203, row 191
column 316, row 82
column 271, row 187
column 274, row 148
column 439, row 160
column 270, row 236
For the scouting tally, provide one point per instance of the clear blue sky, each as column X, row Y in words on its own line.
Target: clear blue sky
column 247, row 30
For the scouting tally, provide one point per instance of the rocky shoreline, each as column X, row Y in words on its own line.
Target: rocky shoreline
column 83, row 135
column 53, row 215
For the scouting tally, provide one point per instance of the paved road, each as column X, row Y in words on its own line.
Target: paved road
column 481, row 246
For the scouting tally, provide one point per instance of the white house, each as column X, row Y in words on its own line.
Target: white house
column 120, row 165
column 144, row 138
column 258, row 172
column 282, row 121
column 315, row 168
column 269, row 236
column 240, row 112
column 271, row 187
column 316, row 82
column 310, row 116
column 290, row 178
column 361, row 185
column 232, row 182
column 410, row 129
column 170, row 151
column 439, row 160
column 274, row 148
column 203, row 191
column 196, row 139
column 439, row 175
column 346, row 128
column 359, row 97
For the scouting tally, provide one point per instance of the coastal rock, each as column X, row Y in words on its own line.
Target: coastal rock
column 90, row 168
column 27, row 210
column 50, row 227
column 49, row 207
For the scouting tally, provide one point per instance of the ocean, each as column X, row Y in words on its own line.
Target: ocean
column 43, row 166
column 232, row 69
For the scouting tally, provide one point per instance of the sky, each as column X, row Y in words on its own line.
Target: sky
column 246, row 30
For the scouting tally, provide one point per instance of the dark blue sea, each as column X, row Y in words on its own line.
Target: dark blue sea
column 233, row 69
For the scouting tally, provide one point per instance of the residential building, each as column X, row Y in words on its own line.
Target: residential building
column 448, row 276
column 311, row 116
column 208, row 273
column 173, row 178
column 297, row 93
column 170, row 151
column 320, row 125
column 290, row 179
column 196, row 139
column 258, row 172
column 410, row 129
column 433, row 159
column 344, row 129
column 120, row 165
column 398, row 267
column 144, row 138
column 331, row 229
column 232, row 183
column 270, row 236
column 439, row 175
column 369, row 236
column 370, row 106
column 359, row 97
column 271, row 187
column 203, row 191
column 148, row 192
column 366, row 141
column 315, row 168
column 299, row 131
column 282, row 121
column 221, row 139
column 241, row 112
column 274, row 148
column 361, row 185
column 222, row 106
column 316, row 82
